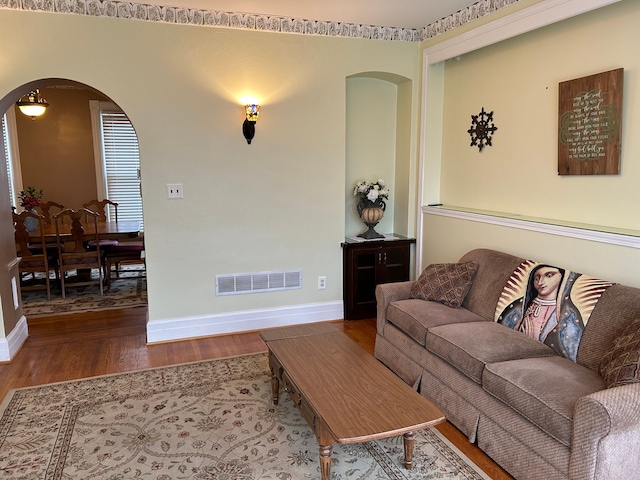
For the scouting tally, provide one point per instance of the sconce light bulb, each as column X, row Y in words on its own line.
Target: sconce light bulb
column 252, row 112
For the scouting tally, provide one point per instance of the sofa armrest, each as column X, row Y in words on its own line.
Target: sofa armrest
column 387, row 293
column 606, row 434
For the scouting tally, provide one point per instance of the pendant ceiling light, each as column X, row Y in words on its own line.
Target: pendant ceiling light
column 32, row 105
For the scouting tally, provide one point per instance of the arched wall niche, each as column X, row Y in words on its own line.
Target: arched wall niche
column 378, row 138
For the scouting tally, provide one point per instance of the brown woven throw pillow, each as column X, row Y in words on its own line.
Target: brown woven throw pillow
column 622, row 364
column 446, row 283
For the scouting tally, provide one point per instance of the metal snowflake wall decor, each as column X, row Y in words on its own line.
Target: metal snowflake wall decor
column 482, row 128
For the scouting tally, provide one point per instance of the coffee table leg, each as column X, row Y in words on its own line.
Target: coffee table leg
column 325, row 461
column 275, row 387
column 409, row 439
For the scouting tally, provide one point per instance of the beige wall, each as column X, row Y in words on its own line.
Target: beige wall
column 278, row 203
column 518, row 80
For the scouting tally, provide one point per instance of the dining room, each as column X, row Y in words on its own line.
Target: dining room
column 82, row 148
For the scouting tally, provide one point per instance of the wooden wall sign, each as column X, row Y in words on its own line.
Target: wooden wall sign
column 590, row 124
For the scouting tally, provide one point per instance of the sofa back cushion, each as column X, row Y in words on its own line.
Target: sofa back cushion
column 616, row 309
column 621, row 365
column 494, row 269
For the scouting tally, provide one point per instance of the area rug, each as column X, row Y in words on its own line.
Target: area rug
column 202, row 421
column 126, row 292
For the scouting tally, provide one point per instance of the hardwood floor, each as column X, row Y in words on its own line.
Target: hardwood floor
column 73, row 346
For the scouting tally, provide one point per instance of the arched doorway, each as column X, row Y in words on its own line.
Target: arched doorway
column 62, row 153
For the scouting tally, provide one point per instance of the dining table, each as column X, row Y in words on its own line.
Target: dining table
column 106, row 230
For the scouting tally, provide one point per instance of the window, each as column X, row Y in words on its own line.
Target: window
column 117, row 160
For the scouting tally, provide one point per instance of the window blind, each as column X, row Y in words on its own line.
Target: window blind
column 122, row 165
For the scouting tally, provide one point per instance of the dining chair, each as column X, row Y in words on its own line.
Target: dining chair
column 30, row 262
column 45, row 210
column 124, row 254
column 115, row 252
column 76, row 256
column 101, row 207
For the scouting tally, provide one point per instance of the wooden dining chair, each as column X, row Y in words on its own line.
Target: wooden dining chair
column 101, row 208
column 76, row 256
column 45, row 210
column 30, row 262
column 125, row 254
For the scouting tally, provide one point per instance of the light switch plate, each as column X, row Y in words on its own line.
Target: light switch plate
column 174, row 191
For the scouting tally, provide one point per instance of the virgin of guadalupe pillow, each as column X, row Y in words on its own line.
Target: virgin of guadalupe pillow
column 446, row 283
column 550, row 304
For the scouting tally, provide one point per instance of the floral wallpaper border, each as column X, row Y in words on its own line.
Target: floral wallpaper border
column 181, row 15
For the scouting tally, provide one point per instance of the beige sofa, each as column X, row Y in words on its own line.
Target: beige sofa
column 536, row 413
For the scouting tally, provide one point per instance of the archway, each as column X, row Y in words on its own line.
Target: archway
column 66, row 173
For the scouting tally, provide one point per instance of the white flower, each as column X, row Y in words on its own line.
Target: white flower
column 371, row 191
column 361, row 187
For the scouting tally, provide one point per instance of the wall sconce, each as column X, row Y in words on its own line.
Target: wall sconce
column 32, row 105
column 249, row 125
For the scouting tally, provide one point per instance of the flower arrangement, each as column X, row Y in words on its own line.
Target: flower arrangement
column 31, row 198
column 375, row 192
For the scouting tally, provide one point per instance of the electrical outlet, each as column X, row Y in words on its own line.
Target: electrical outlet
column 322, row 283
column 174, row 191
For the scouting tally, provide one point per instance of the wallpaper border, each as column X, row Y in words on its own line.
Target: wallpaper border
column 209, row 18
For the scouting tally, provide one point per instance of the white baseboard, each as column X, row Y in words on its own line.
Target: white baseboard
column 248, row 320
column 10, row 345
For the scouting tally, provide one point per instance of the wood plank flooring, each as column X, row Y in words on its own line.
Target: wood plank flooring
column 73, row 346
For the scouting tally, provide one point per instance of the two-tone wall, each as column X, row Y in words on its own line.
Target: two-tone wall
column 518, row 80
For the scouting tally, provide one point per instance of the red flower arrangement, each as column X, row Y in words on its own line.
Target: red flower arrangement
column 31, row 198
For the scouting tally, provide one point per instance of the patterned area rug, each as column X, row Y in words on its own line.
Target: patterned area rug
column 126, row 292
column 202, row 421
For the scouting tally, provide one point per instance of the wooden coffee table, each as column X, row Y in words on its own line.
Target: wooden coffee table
column 342, row 391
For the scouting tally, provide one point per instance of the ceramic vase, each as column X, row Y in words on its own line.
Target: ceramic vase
column 30, row 223
column 371, row 213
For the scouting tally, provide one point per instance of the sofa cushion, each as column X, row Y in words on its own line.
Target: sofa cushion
column 543, row 390
column 618, row 307
column 446, row 283
column 494, row 269
column 621, row 365
column 415, row 316
column 470, row 346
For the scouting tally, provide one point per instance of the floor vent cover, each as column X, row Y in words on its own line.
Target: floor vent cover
column 240, row 283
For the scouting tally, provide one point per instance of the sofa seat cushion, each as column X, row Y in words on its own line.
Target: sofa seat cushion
column 470, row 346
column 543, row 390
column 414, row 316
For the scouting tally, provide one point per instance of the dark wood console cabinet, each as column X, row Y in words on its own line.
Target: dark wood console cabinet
column 368, row 263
